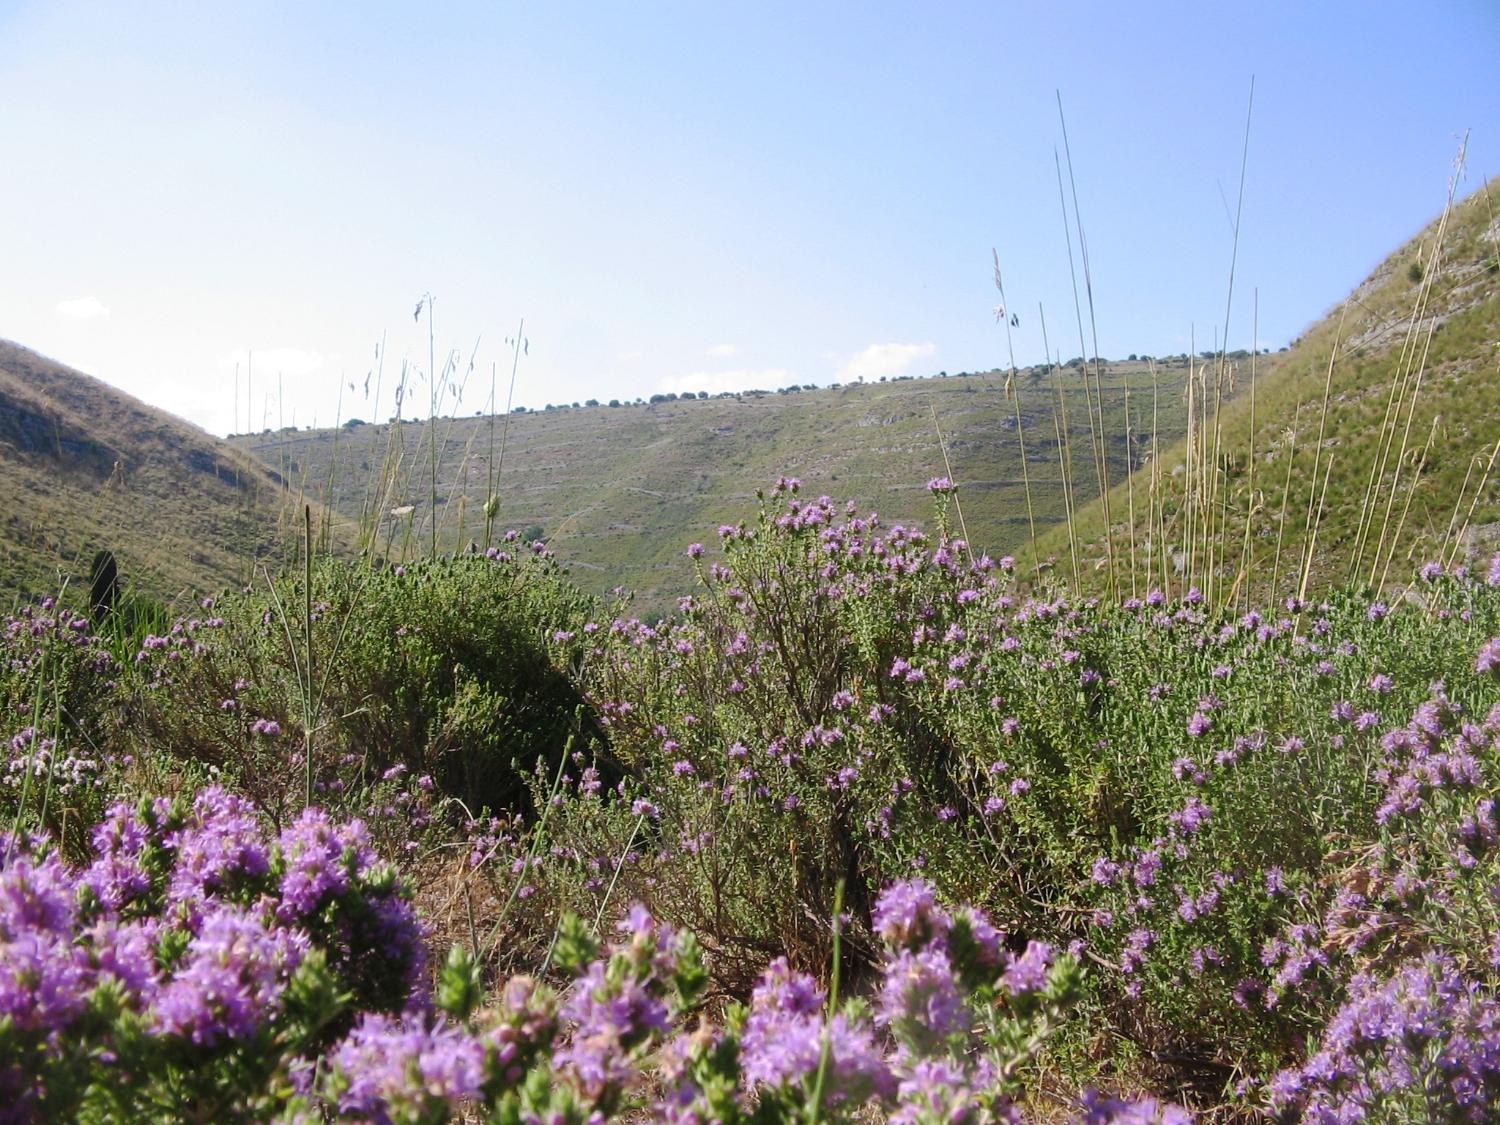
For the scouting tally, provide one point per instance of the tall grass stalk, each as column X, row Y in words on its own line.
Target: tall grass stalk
column 1094, row 430
column 432, row 384
column 1218, row 544
column 1286, row 492
column 492, row 501
column 1130, row 484
column 1015, row 397
column 325, row 529
column 948, row 471
column 369, row 508
column 1157, row 518
column 1385, row 441
column 1067, row 503
column 1190, row 465
column 307, row 619
column 28, row 776
column 1428, row 279
column 1315, row 522
column 537, row 836
column 1456, row 540
column 447, row 432
column 1309, row 539
column 1088, row 285
column 614, row 879
column 1411, row 492
column 1218, row 514
column 1064, row 449
column 826, row 1056
column 301, row 658
column 1247, row 554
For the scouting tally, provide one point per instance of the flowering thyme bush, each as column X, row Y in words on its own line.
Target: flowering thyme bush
column 1271, row 836
column 1162, row 784
column 197, row 966
column 202, row 968
column 955, row 1023
column 1423, row 1045
column 56, row 679
column 772, row 752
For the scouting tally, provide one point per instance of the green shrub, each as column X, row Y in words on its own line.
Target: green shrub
column 440, row 668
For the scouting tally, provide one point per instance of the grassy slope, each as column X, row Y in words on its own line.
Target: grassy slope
column 84, row 467
column 621, row 491
column 1453, row 415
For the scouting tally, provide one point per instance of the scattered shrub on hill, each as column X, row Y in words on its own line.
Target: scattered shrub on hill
column 433, row 698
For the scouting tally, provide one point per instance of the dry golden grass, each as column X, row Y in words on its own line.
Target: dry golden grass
column 1368, row 448
column 84, row 467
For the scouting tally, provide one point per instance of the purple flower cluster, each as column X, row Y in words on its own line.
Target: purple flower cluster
column 786, row 1035
column 1426, row 1039
column 388, row 1071
column 230, row 982
column 1101, row 1110
column 945, row 975
column 188, row 925
column 320, row 861
column 617, row 1007
column 44, row 978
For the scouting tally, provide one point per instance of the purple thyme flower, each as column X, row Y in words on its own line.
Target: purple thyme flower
column 920, row 999
column 907, row 915
column 785, row 1035
column 231, row 978
column 1192, row 816
column 1101, row 1110
column 1028, row 973
column 940, row 1090
column 1489, row 656
column 385, row 1071
column 222, row 840
column 320, row 860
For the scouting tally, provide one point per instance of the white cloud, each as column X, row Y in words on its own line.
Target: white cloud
column 82, row 308
column 763, row 379
column 721, row 351
column 883, row 359
column 293, row 363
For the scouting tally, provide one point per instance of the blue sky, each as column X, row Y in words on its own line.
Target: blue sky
column 695, row 196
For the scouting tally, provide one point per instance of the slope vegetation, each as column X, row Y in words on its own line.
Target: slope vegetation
column 84, row 467
column 1369, row 448
column 619, row 492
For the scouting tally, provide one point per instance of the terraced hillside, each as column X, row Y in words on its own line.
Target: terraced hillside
column 1368, row 450
column 620, row 491
column 84, row 467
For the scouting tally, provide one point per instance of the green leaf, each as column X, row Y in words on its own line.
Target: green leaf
column 459, row 988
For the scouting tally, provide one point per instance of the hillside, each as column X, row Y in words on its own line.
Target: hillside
column 620, row 491
column 85, row 467
column 1368, row 450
